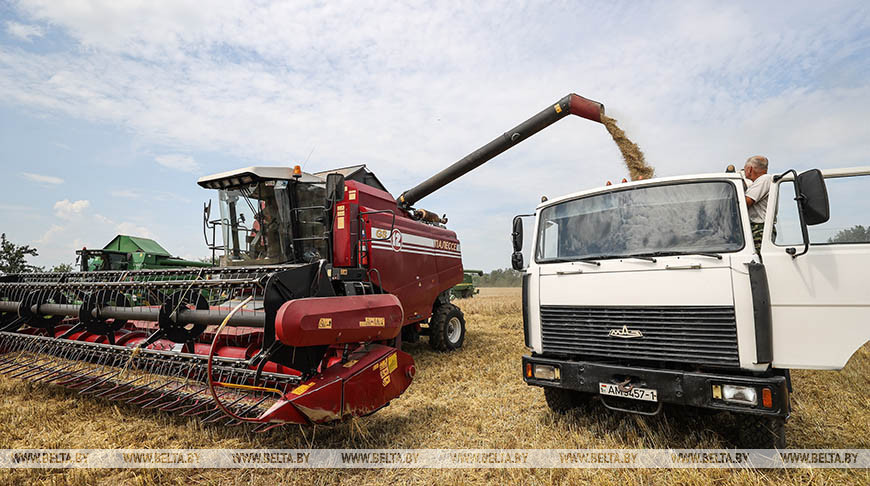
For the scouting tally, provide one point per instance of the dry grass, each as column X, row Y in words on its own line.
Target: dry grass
column 473, row 398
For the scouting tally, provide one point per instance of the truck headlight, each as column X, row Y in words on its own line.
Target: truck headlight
column 546, row 372
column 739, row 394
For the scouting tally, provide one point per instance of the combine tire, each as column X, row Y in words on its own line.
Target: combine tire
column 562, row 401
column 447, row 328
column 760, row 432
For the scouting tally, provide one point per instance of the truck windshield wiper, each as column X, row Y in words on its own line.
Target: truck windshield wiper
column 641, row 257
column 614, row 257
column 573, row 260
column 645, row 257
column 589, row 261
column 686, row 253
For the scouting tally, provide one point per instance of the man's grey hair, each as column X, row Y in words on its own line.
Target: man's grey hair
column 758, row 161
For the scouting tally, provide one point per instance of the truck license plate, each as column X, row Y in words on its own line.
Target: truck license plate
column 635, row 393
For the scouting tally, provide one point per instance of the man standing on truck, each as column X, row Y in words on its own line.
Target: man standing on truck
column 756, row 195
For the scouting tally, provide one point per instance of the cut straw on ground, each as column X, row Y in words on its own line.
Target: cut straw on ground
column 474, row 398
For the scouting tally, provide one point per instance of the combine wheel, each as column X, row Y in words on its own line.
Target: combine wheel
column 446, row 328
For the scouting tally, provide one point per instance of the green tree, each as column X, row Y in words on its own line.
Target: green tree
column 62, row 268
column 855, row 234
column 13, row 258
column 507, row 277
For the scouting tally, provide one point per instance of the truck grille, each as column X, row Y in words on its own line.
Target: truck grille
column 697, row 335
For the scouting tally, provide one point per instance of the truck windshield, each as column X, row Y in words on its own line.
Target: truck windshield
column 701, row 217
column 273, row 222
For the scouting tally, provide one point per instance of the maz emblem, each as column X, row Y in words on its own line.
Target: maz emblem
column 625, row 333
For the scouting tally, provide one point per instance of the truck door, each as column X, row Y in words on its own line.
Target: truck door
column 820, row 301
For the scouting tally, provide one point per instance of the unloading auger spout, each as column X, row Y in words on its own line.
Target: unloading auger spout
column 569, row 105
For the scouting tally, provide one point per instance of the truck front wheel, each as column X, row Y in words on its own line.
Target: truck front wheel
column 447, row 328
column 761, row 432
column 561, row 401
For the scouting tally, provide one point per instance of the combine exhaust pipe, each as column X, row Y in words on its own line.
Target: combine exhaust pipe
column 569, row 105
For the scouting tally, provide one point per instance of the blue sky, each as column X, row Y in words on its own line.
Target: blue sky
column 110, row 110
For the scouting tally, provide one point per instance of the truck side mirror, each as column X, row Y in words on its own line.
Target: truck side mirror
column 811, row 196
column 517, row 235
column 334, row 187
column 816, row 207
column 517, row 261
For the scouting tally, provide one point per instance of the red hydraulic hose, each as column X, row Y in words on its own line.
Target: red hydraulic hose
column 212, row 383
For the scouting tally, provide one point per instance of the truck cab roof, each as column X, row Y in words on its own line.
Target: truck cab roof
column 685, row 178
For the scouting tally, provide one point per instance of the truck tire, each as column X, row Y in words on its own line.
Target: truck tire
column 561, row 401
column 447, row 328
column 761, row 432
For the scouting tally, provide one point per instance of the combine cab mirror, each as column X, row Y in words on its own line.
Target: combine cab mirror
column 206, row 210
column 815, row 197
column 334, row 187
column 517, row 235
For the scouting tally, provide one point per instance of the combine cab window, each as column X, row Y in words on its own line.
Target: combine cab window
column 650, row 220
column 273, row 222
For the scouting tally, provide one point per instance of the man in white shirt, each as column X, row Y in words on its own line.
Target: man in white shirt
column 756, row 195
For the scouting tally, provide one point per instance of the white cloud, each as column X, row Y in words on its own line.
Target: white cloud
column 67, row 209
column 184, row 163
column 59, row 242
column 132, row 229
column 52, row 233
column 23, row 31
column 126, row 193
column 42, row 179
column 697, row 85
column 154, row 195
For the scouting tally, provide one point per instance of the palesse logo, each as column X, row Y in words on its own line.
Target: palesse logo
column 446, row 245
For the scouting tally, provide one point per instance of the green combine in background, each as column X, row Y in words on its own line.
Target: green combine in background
column 466, row 289
column 131, row 253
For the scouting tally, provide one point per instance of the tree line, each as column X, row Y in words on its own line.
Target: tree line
column 507, row 277
column 13, row 259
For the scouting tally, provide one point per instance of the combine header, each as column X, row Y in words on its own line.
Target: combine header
column 321, row 276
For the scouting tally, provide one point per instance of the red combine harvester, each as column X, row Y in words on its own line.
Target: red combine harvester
column 302, row 320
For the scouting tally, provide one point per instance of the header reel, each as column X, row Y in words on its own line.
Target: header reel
column 151, row 337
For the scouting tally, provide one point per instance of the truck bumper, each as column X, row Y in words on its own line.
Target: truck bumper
column 693, row 389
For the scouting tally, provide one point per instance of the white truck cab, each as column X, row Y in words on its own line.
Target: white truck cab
column 652, row 292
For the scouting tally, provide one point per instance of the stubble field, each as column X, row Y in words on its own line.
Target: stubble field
column 474, row 398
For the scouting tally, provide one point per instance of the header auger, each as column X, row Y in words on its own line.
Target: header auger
column 320, row 278
column 144, row 337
